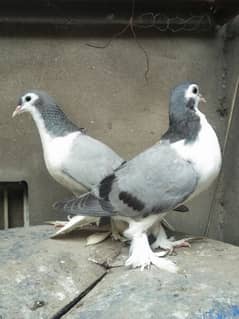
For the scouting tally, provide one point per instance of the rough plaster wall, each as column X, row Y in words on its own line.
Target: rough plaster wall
column 104, row 91
column 225, row 218
column 231, row 172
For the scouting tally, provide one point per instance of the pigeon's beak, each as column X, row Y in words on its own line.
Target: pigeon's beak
column 202, row 99
column 17, row 110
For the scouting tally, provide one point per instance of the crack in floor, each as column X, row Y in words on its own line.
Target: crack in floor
column 78, row 298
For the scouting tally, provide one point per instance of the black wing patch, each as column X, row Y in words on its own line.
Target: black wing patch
column 131, row 201
column 106, row 186
column 182, row 209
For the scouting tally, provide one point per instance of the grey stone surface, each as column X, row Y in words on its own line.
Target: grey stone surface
column 104, row 91
column 206, row 287
column 40, row 276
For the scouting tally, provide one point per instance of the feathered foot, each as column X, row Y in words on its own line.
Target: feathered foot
column 117, row 228
column 141, row 255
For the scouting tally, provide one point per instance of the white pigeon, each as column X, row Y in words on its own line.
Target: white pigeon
column 184, row 163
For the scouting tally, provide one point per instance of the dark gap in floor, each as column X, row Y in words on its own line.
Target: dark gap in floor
column 78, row 298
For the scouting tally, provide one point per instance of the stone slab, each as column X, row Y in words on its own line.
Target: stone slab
column 206, row 287
column 39, row 276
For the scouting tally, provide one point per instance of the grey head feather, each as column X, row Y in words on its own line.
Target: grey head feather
column 184, row 123
column 55, row 120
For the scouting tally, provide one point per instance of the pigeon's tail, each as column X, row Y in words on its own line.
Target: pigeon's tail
column 85, row 205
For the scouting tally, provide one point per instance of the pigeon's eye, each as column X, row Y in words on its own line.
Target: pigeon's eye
column 195, row 90
column 28, row 98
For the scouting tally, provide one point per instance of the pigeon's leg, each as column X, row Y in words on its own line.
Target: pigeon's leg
column 162, row 241
column 117, row 229
column 140, row 254
column 141, row 225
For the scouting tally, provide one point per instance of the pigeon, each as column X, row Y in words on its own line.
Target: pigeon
column 74, row 159
column 184, row 162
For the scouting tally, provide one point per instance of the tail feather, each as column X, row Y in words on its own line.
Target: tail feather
column 85, row 205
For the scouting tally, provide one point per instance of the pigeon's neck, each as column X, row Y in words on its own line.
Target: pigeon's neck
column 53, row 122
column 186, row 128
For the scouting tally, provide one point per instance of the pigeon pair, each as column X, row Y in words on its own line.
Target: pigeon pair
column 141, row 191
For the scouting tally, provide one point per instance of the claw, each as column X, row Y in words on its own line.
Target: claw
column 169, row 244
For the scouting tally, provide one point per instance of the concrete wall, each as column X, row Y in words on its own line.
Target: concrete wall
column 225, row 211
column 105, row 91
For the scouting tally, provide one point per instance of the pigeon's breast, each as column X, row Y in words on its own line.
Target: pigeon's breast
column 204, row 153
column 57, row 149
column 56, row 152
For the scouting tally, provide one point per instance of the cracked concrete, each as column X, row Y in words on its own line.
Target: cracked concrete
column 40, row 277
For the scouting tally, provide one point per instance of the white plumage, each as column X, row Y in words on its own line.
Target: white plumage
column 204, row 154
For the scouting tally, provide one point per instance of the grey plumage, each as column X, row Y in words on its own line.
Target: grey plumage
column 160, row 186
column 184, row 124
column 90, row 161
column 138, row 190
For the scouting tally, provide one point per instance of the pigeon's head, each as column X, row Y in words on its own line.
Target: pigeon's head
column 32, row 101
column 184, row 100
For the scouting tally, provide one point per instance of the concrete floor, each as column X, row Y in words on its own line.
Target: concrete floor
column 46, row 278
